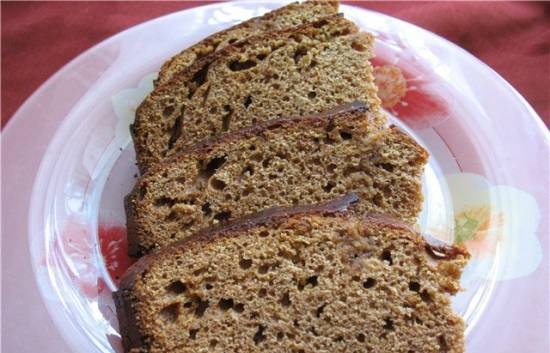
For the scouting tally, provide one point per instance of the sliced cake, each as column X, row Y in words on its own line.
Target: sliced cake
column 279, row 162
column 288, row 16
column 278, row 74
column 309, row 279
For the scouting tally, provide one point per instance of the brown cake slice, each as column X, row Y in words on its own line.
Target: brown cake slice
column 281, row 162
column 288, row 16
column 277, row 74
column 309, row 279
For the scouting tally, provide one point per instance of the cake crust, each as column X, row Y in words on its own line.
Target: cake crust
column 291, row 15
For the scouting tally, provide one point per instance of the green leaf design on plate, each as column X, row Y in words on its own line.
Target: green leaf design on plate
column 465, row 228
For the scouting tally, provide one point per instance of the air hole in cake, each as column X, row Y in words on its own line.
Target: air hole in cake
column 226, row 119
column 285, row 300
column 177, row 287
column 331, row 168
column 217, row 184
column 311, row 95
column 142, row 192
column 227, row 109
column 314, row 331
column 172, row 216
column 388, row 324
column 425, row 296
column 414, row 286
column 351, row 169
column 213, row 343
column 296, row 324
column 199, row 78
column 387, row 191
column 261, row 56
column 175, row 132
column 257, row 157
column 252, row 147
column 344, row 32
column 320, row 23
column 386, row 166
column 300, row 52
column 320, row 310
column 248, row 170
column 247, row 102
column 202, row 305
column 263, row 234
column 187, row 305
column 378, row 200
column 312, row 281
column 280, row 336
column 168, row 111
column 205, row 94
column 245, row 264
column 339, row 339
column 225, row 304
column 242, row 65
column 316, row 161
column 193, row 333
column 328, row 140
column 262, row 292
column 165, row 201
column 356, row 278
column 286, row 98
column 345, row 135
column 386, row 256
column 266, row 162
column 232, row 40
column 443, row 346
column 212, row 166
column 208, row 286
column 199, row 271
column 170, row 313
column 263, row 269
column 358, row 46
column 239, row 307
column 259, row 335
column 360, row 337
column 222, row 216
column 330, row 185
column 206, row 210
column 369, row 283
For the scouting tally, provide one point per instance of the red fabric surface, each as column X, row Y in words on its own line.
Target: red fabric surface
column 38, row 38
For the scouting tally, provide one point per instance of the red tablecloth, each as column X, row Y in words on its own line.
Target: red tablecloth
column 38, row 38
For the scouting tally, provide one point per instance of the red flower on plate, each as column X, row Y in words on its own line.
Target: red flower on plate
column 114, row 248
column 405, row 90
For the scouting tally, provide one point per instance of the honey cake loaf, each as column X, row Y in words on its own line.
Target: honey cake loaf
column 278, row 74
column 288, row 16
column 308, row 279
column 280, row 162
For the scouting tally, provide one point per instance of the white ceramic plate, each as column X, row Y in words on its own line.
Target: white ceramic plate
column 486, row 184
